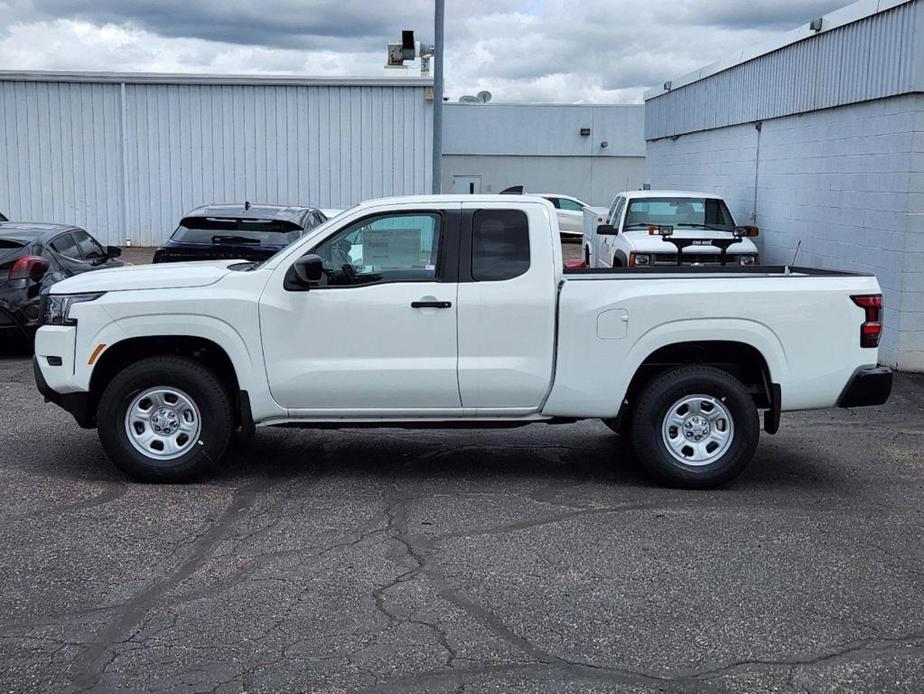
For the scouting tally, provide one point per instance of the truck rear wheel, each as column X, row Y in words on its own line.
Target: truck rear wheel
column 165, row 419
column 695, row 427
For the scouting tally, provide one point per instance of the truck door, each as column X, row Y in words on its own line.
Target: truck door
column 377, row 337
column 604, row 246
column 507, row 306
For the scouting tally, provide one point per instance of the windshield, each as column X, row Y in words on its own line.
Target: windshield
column 697, row 213
column 225, row 230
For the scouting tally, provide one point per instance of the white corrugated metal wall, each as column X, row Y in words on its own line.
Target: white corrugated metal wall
column 126, row 159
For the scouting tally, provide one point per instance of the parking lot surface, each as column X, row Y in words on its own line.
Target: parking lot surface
column 533, row 559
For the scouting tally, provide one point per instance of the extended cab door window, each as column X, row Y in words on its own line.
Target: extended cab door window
column 381, row 249
column 500, row 245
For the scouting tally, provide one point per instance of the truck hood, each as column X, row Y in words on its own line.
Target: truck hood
column 642, row 242
column 161, row 276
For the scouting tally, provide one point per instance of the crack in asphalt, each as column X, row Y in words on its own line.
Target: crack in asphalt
column 117, row 491
column 102, row 649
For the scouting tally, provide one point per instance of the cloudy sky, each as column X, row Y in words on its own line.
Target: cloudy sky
column 520, row 50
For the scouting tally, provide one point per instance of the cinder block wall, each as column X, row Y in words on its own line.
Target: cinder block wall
column 847, row 182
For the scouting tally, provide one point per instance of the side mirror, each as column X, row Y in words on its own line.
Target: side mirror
column 113, row 251
column 309, row 268
column 606, row 230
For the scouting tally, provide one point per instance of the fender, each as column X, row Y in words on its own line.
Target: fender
column 747, row 332
column 248, row 366
column 600, row 393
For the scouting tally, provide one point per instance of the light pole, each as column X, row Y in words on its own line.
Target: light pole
column 438, row 13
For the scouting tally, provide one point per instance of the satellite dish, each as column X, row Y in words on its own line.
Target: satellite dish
column 468, row 99
column 483, row 97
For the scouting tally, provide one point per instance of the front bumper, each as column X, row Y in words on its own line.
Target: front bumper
column 77, row 404
column 869, row 385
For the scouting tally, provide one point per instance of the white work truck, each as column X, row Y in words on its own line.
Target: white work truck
column 453, row 310
column 700, row 222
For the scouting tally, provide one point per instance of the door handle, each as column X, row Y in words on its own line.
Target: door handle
column 431, row 304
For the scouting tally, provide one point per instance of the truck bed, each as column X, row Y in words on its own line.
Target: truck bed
column 733, row 270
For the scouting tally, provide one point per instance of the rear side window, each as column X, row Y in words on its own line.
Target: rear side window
column 500, row 245
column 571, row 205
column 66, row 246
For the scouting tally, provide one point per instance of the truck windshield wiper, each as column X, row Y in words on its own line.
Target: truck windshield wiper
column 233, row 239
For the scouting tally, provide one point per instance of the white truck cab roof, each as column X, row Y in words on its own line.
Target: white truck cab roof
column 669, row 194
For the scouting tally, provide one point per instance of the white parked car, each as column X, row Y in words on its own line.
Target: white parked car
column 570, row 213
column 441, row 310
column 688, row 215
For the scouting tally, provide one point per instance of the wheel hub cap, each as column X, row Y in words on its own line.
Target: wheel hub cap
column 163, row 423
column 698, row 429
column 695, row 428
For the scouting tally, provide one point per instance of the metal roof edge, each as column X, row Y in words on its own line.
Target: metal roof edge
column 201, row 79
column 833, row 20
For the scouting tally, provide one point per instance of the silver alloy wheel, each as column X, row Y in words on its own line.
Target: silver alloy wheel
column 163, row 423
column 698, row 429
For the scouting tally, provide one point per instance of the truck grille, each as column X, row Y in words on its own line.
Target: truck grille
column 691, row 258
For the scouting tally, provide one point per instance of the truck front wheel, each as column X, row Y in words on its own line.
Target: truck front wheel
column 695, row 427
column 165, row 419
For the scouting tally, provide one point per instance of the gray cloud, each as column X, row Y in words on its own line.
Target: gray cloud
column 553, row 50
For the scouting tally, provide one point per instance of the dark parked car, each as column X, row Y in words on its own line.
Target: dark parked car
column 34, row 256
column 250, row 232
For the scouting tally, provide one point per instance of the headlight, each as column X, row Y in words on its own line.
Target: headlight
column 56, row 307
column 640, row 259
column 747, row 260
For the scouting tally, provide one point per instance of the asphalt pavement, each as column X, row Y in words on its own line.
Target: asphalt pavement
column 526, row 560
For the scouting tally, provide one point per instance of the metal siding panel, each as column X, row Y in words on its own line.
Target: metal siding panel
column 69, row 153
column 868, row 59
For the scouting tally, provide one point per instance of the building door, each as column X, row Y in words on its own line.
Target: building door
column 466, row 185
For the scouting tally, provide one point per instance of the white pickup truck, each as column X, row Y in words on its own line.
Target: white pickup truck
column 700, row 222
column 453, row 310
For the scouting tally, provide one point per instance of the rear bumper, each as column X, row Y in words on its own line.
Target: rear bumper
column 869, row 385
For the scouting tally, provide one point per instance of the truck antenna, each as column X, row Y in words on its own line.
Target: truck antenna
column 796, row 254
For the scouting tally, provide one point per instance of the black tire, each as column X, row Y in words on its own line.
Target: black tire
column 193, row 379
column 658, row 399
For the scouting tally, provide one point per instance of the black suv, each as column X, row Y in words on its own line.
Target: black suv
column 34, row 256
column 249, row 232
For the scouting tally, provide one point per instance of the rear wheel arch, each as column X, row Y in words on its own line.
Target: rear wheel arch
column 741, row 360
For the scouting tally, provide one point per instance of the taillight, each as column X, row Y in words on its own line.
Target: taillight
column 31, row 267
column 871, row 330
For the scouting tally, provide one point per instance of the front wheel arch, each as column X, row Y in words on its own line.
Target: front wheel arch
column 124, row 353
